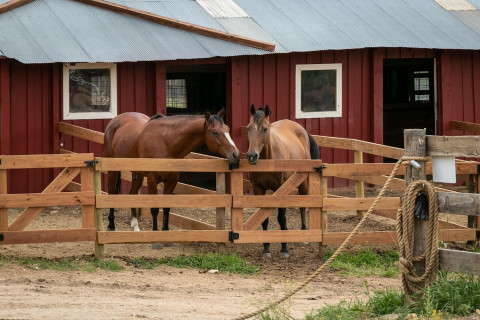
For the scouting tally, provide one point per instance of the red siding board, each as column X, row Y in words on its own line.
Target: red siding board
column 326, row 124
column 270, row 84
column 476, row 85
column 255, row 81
column 283, row 86
column 296, row 58
column 312, row 125
column 467, row 75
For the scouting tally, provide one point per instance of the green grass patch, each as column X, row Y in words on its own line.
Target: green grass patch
column 366, row 263
column 452, row 295
column 109, row 265
column 143, row 263
column 221, row 262
column 44, row 264
column 3, row 262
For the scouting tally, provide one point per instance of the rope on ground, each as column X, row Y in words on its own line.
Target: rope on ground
column 402, row 161
column 405, row 233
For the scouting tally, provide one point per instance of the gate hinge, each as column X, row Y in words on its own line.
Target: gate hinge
column 232, row 236
column 320, row 169
column 1, row 237
column 91, row 163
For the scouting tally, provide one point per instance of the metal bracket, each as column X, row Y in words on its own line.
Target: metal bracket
column 1, row 237
column 320, row 169
column 232, row 236
column 91, row 163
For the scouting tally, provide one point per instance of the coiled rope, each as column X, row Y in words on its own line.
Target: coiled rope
column 405, row 161
column 405, row 233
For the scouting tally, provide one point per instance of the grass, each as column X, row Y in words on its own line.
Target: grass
column 451, row 295
column 366, row 263
column 69, row 264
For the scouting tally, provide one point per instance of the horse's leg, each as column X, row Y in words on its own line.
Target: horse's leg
column 168, row 187
column 266, row 246
column 137, row 181
column 282, row 221
column 113, row 182
column 303, row 190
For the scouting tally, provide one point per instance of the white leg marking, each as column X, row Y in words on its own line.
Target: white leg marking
column 134, row 224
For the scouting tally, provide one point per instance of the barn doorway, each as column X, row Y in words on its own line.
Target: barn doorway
column 408, row 98
column 195, row 89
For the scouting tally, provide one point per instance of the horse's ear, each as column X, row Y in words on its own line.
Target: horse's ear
column 207, row 115
column 221, row 113
column 252, row 110
column 267, row 111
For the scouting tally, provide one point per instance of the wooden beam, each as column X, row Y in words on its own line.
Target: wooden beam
column 458, row 146
column 283, row 201
column 466, row 126
column 47, row 199
column 278, row 236
column 4, row 211
column 106, row 237
column 280, row 166
column 163, row 201
column 167, row 165
column 83, row 133
column 360, row 203
column 459, row 203
column 459, row 261
column 189, row 27
column 45, row 161
column 10, row 5
column 48, row 236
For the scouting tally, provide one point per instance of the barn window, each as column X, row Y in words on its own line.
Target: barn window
column 89, row 91
column 318, row 90
column 177, row 93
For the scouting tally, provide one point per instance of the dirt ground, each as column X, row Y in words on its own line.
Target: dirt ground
column 171, row 293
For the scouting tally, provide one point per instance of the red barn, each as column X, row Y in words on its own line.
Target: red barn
column 358, row 69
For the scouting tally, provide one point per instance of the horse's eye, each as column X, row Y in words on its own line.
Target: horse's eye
column 215, row 133
column 265, row 129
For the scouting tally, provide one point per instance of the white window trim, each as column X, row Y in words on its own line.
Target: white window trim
column 67, row 115
column 299, row 114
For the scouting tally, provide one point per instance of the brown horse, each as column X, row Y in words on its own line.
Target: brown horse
column 135, row 135
column 283, row 139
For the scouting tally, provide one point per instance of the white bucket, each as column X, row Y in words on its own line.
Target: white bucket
column 443, row 169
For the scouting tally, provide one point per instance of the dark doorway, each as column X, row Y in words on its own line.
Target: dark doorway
column 408, row 98
column 196, row 89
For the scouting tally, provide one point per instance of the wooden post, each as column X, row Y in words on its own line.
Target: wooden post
column 359, row 186
column 88, row 212
column 220, row 212
column 97, row 186
column 315, row 215
column 416, row 145
column 3, row 190
column 236, row 189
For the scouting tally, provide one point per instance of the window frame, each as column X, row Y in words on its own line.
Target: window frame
column 67, row 115
column 299, row 114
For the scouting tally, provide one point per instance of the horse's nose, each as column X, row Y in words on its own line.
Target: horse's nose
column 252, row 157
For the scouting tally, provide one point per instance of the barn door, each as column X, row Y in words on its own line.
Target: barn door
column 408, row 98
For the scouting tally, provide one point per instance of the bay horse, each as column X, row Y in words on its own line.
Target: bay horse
column 135, row 135
column 283, row 139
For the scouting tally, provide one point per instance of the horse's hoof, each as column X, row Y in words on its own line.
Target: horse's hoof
column 136, row 229
column 110, row 229
column 267, row 255
column 156, row 246
column 284, row 254
column 168, row 244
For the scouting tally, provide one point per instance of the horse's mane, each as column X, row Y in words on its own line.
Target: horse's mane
column 258, row 116
column 213, row 117
column 158, row 115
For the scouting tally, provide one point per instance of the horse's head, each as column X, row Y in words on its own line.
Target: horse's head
column 257, row 132
column 218, row 140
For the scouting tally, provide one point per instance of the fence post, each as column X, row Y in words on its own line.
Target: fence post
column 88, row 212
column 97, row 186
column 220, row 212
column 236, row 188
column 359, row 185
column 315, row 213
column 3, row 211
column 416, row 145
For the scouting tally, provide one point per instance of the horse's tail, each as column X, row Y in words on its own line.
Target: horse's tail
column 314, row 149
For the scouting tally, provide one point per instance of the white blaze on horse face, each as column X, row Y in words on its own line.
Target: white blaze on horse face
column 134, row 224
column 229, row 139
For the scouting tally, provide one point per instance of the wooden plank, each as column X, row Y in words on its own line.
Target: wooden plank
column 360, row 203
column 88, row 211
column 315, row 215
column 236, row 189
column 359, row 145
column 278, row 236
column 459, row 203
column 161, row 201
column 261, row 214
column 194, row 155
column 97, row 187
column 466, row 126
column 220, row 186
column 459, row 261
column 63, row 179
column 458, row 235
column 458, row 146
column 47, row 199
column 359, row 187
column 280, row 166
column 12, row 4
column 364, row 169
column 3, row 190
column 189, row 27
column 45, row 161
column 80, row 132
column 395, row 183
column 106, row 237
column 277, row 201
column 48, row 236
column 166, row 165
column 377, row 237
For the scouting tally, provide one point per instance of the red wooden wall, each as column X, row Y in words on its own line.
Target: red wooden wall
column 31, row 99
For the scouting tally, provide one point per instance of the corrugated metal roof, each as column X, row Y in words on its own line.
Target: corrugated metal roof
column 69, row 31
